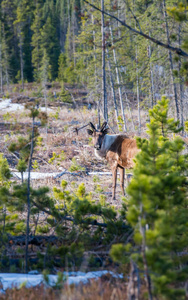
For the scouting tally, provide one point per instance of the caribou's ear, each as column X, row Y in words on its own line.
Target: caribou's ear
column 105, row 131
column 92, row 126
column 89, row 131
column 103, row 126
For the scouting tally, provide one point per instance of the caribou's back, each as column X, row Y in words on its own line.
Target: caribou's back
column 123, row 150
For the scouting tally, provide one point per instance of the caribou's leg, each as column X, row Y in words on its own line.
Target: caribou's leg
column 122, row 177
column 114, row 180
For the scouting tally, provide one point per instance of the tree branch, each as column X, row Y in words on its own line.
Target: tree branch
column 66, row 218
column 178, row 51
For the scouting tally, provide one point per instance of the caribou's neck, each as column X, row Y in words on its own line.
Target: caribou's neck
column 107, row 142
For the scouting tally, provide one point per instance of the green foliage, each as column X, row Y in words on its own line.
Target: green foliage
column 159, row 116
column 45, row 72
column 43, row 229
column 21, row 166
column 35, row 165
column 57, row 158
column 96, row 178
column 157, row 205
column 81, row 191
column 120, row 123
column 75, row 166
column 119, row 253
column 179, row 13
column 7, row 117
column 65, row 96
column 39, row 141
column 62, row 66
column 5, row 173
column 45, row 274
column 186, row 126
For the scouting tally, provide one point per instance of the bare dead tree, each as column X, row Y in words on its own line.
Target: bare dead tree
column 34, row 113
column 178, row 51
column 112, row 86
column 103, row 63
column 171, row 63
column 118, row 82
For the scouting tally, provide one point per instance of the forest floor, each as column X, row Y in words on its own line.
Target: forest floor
column 60, row 150
column 76, row 153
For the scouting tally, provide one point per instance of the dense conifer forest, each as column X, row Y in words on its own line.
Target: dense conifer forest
column 144, row 47
column 64, row 64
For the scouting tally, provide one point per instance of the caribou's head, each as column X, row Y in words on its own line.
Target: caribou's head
column 98, row 135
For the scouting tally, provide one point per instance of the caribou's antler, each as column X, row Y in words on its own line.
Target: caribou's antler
column 92, row 126
column 103, row 126
column 77, row 129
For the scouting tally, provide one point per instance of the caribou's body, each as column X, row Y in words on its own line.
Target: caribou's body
column 119, row 150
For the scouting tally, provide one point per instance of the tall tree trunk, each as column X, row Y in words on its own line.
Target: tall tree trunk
column 1, row 62
column 73, row 37
column 130, row 111
column 96, row 80
column 103, row 65
column 94, row 48
column 112, row 86
column 118, row 82
column 146, row 270
column 28, row 198
column 138, row 94
column 128, row 105
column 171, row 63
column 180, row 79
column 151, row 77
column 6, row 62
column 1, row 68
column 21, row 59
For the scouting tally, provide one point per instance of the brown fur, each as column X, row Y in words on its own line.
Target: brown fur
column 119, row 155
column 123, row 150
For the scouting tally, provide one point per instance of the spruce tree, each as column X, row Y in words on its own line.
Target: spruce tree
column 49, row 42
column 157, row 208
column 36, row 41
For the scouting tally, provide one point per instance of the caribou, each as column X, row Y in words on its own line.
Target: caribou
column 118, row 149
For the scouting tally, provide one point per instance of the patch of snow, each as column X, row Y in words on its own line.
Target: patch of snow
column 15, row 280
column 33, row 272
column 44, row 109
column 10, row 280
column 35, row 175
column 7, row 105
column 38, row 175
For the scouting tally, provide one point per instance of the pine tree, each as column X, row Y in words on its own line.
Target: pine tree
column 49, row 42
column 157, row 208
column 24, row 19
column 36, row 41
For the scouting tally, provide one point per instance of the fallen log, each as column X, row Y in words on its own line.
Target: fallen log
column 37, row 240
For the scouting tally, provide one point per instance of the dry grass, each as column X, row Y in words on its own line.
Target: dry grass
column 60, row 137
column 103, row 289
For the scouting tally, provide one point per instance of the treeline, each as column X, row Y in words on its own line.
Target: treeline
column 29, row 30
column 140, row 46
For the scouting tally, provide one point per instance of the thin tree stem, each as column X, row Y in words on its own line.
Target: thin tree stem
column 103, row 64
column 28, row 198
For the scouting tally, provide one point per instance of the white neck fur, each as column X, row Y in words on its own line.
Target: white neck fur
column 107, row 142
